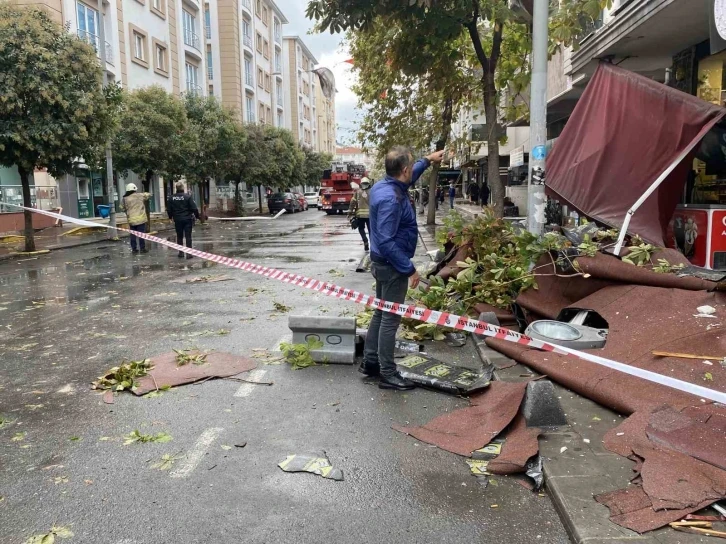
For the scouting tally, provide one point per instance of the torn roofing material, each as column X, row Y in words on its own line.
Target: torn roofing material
column 468, row 429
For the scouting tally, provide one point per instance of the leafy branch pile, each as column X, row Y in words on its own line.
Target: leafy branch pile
column 298, row 355
column 123, row 377
column 137, row 437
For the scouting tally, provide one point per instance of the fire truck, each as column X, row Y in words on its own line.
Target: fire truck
column 336, row 191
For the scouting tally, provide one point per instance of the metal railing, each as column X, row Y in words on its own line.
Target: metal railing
column 208, row 31
column 278, row 67
column 279, row 99
column 41, row 197
column 210, row 71
column 247, row 40
column 249, row 80
column 250, row 116
column 278, row 36
column 194, row 89
column 94, row 41
column 191, row 39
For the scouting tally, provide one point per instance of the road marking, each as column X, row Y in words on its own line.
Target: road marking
column 246, row 388
column 195, row 455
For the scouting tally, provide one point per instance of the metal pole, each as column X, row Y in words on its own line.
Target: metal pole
column 538, row 120
column 109, row 157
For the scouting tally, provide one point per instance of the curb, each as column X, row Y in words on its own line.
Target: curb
column 583, row 469
column 80, row 243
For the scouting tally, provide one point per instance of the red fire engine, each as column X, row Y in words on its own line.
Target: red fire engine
column 336, row 191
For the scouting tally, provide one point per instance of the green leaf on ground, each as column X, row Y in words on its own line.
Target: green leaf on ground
column 123, row 377
column 298, row 355
column 708, row 377
column 166, row 461
column 336, row 273
column 49, row 537
column 17, row 437
column 191, row 355
column 136, row 436
column 75, row 438
column 281, row 308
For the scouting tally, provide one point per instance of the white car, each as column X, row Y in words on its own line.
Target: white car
column 312, row 199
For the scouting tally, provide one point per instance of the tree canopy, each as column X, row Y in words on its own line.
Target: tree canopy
column 52, row 107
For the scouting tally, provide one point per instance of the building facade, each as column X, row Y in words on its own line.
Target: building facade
column 354, row 155
column 301, row 84
column 324, row 122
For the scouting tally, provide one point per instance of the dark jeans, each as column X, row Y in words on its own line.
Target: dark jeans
column 142, row 242
column 451, row 202
column 391, row 286
column 184, row 231
column 364, row 222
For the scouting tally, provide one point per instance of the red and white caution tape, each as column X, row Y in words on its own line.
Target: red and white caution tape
column 443, row 319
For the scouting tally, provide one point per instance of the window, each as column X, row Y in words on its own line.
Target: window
column 247, row 33
column 189, row 24
column 258, row 8
column 249, row 106
column 306, row 88
column 278, row 62
column 192, row 73
column 265, row 15
column 278, row 93
column 249, row 77
column 158, row 8
column 268, row 86
column 139, row 46
column 268, row 115
column 259, row 42
column 299, row 106
column 88, row 25
column 161, row 58
column 260, row 78
column 266, row 49
column 207, row 24
column 279, row 119
column 261, row 115
column 278, row 31
column 305, row 63
column 210, row 69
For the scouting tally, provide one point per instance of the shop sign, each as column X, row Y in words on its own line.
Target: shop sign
column 516, row 157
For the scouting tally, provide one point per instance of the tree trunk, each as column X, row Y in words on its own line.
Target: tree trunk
column 446, row 117
column 29, row 233
column 237, row 203
column 259, row 193
column 147, row 204
column 490, row 110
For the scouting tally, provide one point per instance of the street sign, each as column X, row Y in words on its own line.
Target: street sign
column 516, row 157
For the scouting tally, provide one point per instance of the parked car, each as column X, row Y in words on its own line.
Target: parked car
column 283, row 201
column 313, row 199
column 302, row 200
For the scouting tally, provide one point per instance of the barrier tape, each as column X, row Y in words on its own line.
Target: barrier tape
column 443, row 319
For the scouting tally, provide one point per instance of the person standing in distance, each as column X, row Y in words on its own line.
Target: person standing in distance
column 394, row 234
column 359, row 208
column 182, row 209
column 452, row 194
column 133, row 205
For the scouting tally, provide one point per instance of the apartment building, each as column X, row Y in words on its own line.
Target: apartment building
column 324, row 122
column 302, row 86
column 244, row 58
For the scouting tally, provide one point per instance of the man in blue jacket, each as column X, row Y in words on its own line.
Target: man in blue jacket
column 394, row 234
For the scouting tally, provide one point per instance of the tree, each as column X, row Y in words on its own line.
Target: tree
column 220, row 139
column 313, row 164
column 492, row 28
column 52, row 107
column 155, row 136
column 410, row 94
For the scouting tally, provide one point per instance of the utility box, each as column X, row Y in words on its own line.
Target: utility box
column 337, row 334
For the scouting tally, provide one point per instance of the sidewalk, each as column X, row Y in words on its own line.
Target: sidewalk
column 54, row 238
column 577, row 466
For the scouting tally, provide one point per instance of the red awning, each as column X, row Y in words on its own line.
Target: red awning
column 624, row 132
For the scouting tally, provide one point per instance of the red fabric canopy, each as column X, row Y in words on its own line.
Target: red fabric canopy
column 625, row 131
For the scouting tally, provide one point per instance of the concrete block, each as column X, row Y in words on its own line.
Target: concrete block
column 336, row 333
column 541, row 407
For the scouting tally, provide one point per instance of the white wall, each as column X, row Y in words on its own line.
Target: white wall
column 140, row 16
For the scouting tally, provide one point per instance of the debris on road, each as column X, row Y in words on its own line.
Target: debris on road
column 124, row 376
column 135, row 436
column 298, row 355
column 313, row 463
column 167, row 461
column 429, row 372
column 209, row 278
column 49, row 537
column 186, row 356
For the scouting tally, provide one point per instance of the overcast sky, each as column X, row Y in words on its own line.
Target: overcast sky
column 329, row 53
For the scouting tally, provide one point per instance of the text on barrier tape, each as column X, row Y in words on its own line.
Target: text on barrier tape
column 443, row 319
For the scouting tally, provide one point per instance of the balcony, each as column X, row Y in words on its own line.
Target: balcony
column 247, row 4
column 208, row 31
column 193, row 89
column 192, row 40
column 278, row 67
column 278, row 36
column 279, row 99
column 94, row 41
column 247, row 41
column 249, row 80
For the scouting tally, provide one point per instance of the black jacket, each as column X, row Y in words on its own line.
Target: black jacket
column 181, row 207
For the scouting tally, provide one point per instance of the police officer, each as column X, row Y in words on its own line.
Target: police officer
column 182, row 209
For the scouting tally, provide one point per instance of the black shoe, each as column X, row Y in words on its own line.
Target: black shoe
column 190, row 256
column 134, row 251
column 369, row 370
column 180, row 254
column 396, row 382
column 144, row 250
column 365, row 247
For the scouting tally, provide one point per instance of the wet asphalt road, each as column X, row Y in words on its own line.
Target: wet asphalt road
column 67, row 317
